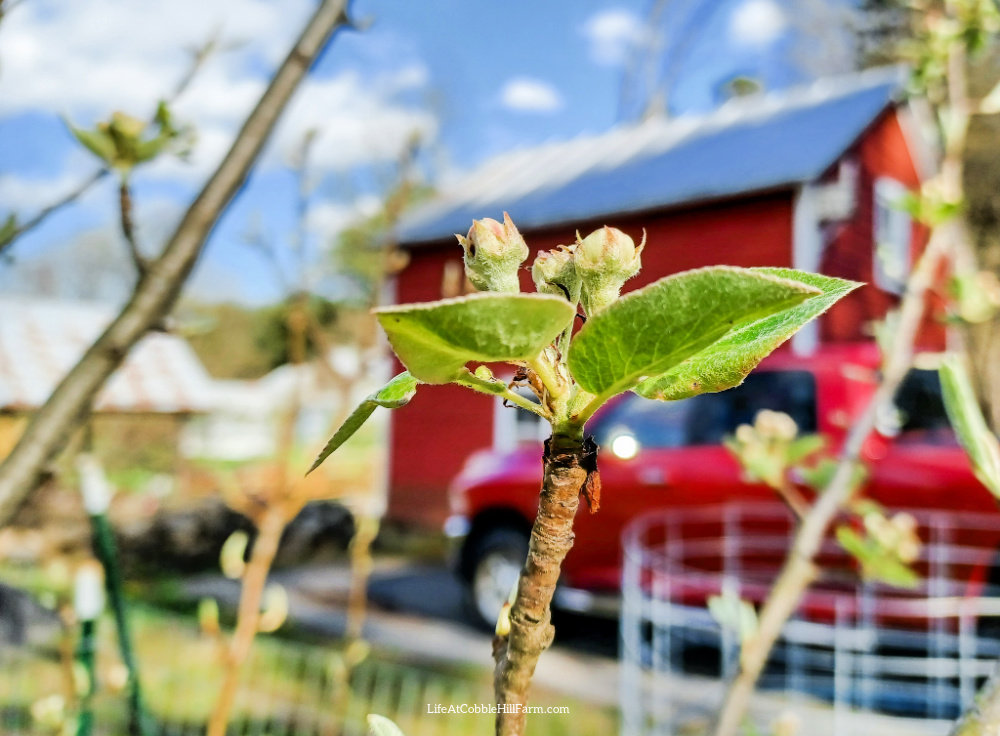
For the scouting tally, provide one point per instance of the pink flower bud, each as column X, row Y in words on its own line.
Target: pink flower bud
column 605, row 260
column 493, row 254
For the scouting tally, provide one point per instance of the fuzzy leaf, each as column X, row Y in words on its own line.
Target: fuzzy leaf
column 393, row 395
column 382, row 726
column 98, row 142
column 725, row 363
column 435, row 340
column 651, row 330
column 963, row 411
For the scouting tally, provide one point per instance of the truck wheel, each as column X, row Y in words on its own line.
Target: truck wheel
column 496, row 561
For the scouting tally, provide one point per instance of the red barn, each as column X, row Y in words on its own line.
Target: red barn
column 807, row 178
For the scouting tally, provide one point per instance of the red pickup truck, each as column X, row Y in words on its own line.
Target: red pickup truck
column 657, row 455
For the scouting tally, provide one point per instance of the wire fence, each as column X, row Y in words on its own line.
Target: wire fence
column 860, row 658
column 287, row 688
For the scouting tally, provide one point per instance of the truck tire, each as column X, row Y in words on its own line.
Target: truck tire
column 494, row 563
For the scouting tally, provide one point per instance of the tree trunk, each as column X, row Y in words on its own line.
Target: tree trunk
column 155, row 294
column 564, row 465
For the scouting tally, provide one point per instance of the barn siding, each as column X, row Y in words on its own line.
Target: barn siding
column 883, row 152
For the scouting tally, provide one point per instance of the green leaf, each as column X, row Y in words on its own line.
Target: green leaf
column 891, row 571
column 803, row 447
column 382, row 726
column 963, row 411
column 731, row 612
column 8, row 229
column 651, row 330
column 148, row 150
column 435, row 340
column 876, row 563
column 393, row 395
column 818, row 476
column 725, row 363
column 98, row 142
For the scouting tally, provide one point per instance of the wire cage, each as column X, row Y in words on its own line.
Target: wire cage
column 858, row 659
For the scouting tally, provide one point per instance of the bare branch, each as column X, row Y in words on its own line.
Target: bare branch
column 199, row 56
column 128, row 230
column 43, row 214
column 800, row 569
column 155, row 295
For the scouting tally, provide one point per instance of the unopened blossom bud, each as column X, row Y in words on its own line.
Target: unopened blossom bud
column 493, row 254
column 605, row 260
column 125, row 125
column 745, row 434
column 776, row 425
column 787, row 724
column 554, row 272
column 908, row 551
column 503, row 621
column 274, row 611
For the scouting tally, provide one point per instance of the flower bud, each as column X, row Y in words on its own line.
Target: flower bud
column 605, row 260
column 503, row 621
column 275, row 609
column 787, row 724
column 776, row 425
column 554, row 272
column 493, row 253
column 745, row 434
column 232, row 555
column 125, row 125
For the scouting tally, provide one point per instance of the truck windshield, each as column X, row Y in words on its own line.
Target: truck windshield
column 922, row 415
column 707, row 419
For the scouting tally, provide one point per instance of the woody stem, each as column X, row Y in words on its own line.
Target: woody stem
column 531, row 629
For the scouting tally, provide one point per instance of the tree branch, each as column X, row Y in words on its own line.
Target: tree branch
column 800, row 569
column 531, row 632
column 128, row 229
column 155, row 295
column 199, row 56
column 44, row 213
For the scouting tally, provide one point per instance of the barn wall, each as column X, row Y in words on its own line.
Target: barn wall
column 443, row 425
column 883, row 152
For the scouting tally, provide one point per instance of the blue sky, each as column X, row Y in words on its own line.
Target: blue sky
column 475, row 78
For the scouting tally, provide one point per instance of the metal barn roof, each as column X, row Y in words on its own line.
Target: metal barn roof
column 41, row 340
column 746, row 145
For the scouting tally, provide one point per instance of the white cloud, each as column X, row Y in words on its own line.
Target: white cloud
column 757, row 22
column 89, row 57
column 527, row 94
column 613, row 33
column 328, row 218
column 27, row 194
